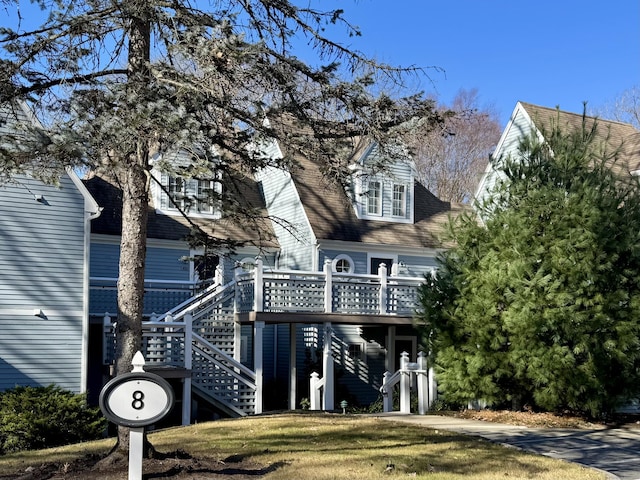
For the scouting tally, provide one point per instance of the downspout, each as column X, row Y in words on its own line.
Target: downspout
column 91, row 211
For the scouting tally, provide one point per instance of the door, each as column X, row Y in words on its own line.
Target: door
column 374, row 264
column 405, row 344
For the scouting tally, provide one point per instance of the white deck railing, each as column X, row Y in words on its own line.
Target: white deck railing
column 198, row 334
column 326, row 292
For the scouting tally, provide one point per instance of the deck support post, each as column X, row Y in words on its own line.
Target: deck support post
column 188, row 365
column 293, row 368
column 424, row 400
column 258, row 362
column 327, row 368
column 391, row 349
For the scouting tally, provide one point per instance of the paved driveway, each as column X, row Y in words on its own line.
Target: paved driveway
column 616, row 451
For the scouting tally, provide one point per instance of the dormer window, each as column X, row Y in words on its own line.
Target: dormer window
column 385, row 195
column 193, row 196
column 399, row 203
column 374, row 198
column 383, row 199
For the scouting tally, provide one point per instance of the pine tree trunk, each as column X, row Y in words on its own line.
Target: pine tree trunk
column 134, row 182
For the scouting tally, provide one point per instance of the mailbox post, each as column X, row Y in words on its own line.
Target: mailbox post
column 135, row 400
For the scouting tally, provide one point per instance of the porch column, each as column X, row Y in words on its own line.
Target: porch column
column 258, row 328
column 327, row 368
column 293, row 368
column 188, row 364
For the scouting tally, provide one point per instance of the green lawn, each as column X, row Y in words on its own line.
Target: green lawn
column 323, row 446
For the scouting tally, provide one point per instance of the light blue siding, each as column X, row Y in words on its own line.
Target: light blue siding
column 398, row 173
column 295, row 237
column 361, row 264
column 162, row 263
column 41, row 269
column 408, row 265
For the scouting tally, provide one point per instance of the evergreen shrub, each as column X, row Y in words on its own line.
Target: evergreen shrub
column 40, row 417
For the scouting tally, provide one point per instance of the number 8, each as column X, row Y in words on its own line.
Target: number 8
column 137, row 403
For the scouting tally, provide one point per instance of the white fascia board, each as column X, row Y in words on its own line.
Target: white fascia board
column 90, row 205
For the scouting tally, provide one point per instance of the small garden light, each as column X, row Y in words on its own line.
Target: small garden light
column 343, row 405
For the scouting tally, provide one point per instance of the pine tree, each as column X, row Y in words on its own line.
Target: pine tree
column 540, row 304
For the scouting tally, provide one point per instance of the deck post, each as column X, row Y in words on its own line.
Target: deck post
column 423, row 384
column 237, row 341
column 314, row 392
column 107, row 339
column 258, row 305
column 382, row 273
column 405, row 384
column 293, row 368
column 258, row 361
column 391, row 349
column 387, row 394
column 188, row 365
column 328, row 287
column 327, row 365
column 433, row 386
column 236, row 296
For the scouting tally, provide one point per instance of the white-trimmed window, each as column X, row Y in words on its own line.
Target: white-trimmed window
column 374, row 197
column 248, row 264
column 342, row 264
column 192, row 195
column 356, row 351
column 399, row 205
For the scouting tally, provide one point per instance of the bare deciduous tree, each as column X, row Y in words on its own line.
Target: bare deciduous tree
column 624, row 108
column 449, row 160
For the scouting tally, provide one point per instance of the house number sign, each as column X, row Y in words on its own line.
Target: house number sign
column 136, row 399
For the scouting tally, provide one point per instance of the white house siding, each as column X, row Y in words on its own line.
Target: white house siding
column 294, row 234
column 42, row 270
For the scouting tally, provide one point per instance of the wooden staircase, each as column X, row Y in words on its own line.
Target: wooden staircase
column 201, row 335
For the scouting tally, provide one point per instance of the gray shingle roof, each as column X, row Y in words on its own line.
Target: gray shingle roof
column 333, row 217
column 612, row 134
column 160, row 226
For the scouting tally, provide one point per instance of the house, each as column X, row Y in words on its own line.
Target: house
column 44, row 276
column 329, row 285
column 322, row 279
column 528, row 119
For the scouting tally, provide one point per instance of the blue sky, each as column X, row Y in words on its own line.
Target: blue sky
column 547, row 52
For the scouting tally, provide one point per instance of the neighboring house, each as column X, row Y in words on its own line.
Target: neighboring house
column 528, row 119
column 311, row 290
column 44, row 276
